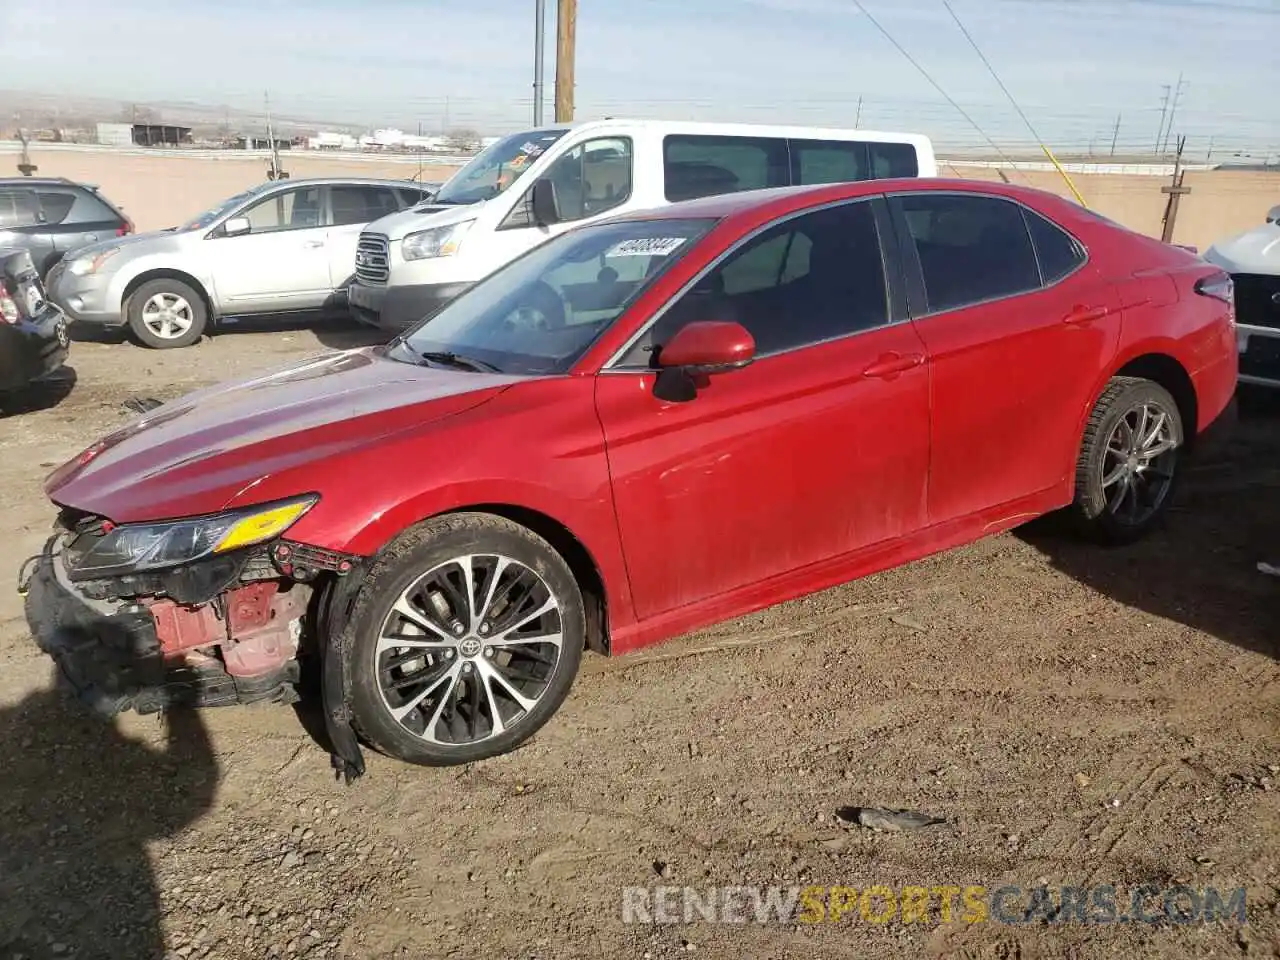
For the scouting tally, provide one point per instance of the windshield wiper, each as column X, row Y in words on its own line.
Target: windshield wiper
column 459, row 360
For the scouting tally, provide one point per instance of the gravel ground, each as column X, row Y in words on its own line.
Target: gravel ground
column 1077, row 716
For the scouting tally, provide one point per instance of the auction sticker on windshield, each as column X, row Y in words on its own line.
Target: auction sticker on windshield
column 646, row 247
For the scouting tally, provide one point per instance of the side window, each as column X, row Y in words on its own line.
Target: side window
column 808, row 279
column 19, row 208
column 1056, row 250
column 893, row 160
column 702, row 166
column 827, row 161
column 56, row 204
column 590, row 179
column 288, row 210
column 971, row 248
column 352, row 204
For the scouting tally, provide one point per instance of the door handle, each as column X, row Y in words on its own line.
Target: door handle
column 891, row 364
column 312, row 244
column 1086, row 314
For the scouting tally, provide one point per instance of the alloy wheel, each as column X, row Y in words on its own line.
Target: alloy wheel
column 468, row 649
column 1138, row 463
column 167, row 315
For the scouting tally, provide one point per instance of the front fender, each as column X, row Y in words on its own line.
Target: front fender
column 166, row 263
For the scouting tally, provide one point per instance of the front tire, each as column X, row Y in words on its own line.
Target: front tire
column 465, row 640
column 164, row 314
column 1129, row 460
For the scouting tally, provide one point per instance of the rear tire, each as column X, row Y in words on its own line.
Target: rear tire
column 438, row 678
column 165, row 314
column 1129, row 460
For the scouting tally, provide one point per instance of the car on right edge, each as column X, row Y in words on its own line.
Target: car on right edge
column 643, row 426
column 1253, row 260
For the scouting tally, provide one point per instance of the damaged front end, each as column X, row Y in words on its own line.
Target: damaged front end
column 202, row 612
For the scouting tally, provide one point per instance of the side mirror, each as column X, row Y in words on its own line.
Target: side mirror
column 544, row 203
column 697, row 351
column 236, row 227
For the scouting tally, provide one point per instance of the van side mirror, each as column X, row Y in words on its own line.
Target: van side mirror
column 697, row 351
column 236, row 227
column 545, row 204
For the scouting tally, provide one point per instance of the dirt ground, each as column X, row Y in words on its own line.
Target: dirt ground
column 1077, row 716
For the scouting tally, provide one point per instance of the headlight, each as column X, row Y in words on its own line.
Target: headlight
column 436, row 242
column 82, row 266
column 135, row 547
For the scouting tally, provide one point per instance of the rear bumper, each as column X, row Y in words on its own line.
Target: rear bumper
column 32, row 348
column 396, row 308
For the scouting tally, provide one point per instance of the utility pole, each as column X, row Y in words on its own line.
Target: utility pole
column 566, row 31
column 1209, row 153
column 539, row 36
column 857, row 121
column 1175, row 191
column 1164, row 110
column 274, row 172
column 1177, row 96
column 1115, row 135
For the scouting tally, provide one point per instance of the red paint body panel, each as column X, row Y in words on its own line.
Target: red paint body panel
column 797, row 472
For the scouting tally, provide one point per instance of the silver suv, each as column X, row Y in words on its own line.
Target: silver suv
column 283, row 246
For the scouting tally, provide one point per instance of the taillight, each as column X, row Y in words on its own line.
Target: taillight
column 8, row 306
column 125, row 230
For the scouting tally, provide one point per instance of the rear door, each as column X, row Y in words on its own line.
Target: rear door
column 282, row 263
column 353, row 206
column 1018, row 326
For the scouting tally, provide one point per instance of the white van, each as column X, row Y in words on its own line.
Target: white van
column 410, row 264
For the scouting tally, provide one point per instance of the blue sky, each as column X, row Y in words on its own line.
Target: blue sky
column 1073, row 64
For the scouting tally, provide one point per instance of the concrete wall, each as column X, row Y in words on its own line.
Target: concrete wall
column 163, row 189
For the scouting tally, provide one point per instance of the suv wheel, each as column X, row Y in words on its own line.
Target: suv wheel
column 166, row 313
column 465, row 639
column 1129, row 461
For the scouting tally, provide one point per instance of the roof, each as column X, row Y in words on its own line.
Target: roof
column 737, row 129
column 780, row 200
column 321, row 181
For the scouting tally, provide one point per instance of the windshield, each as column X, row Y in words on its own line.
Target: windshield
column 540, row 313
column 497, row 167
column 213, row 213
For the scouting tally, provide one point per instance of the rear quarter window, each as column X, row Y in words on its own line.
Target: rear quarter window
column 1057, row 252
column 75, row 206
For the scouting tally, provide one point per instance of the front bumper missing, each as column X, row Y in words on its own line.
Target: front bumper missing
column 109, row 654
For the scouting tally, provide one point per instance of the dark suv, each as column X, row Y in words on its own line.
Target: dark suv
column 52, row 216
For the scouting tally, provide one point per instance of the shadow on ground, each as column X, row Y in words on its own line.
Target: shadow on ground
column 338, row 331
column 78, row 805
column 41, row 395
column 1200, row 569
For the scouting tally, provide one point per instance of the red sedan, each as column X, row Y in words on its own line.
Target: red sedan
column 642, row 426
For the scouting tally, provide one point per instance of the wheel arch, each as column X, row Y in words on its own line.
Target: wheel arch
column 583, row 565
column 1168, row 372
column 166, row 273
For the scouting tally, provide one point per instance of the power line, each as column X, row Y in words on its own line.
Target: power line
column 937, row 86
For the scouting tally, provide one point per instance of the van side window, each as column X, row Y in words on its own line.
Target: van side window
column 702, row 166
column 590, row 179
column 827, row 161
column 893, row 160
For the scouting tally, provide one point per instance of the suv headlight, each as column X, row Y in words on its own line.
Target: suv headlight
column 83, row 266
column 436, row 242
column 136, row 547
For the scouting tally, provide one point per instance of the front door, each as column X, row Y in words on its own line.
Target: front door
column 818, row 448
column 282, row 263
column 1017, row 326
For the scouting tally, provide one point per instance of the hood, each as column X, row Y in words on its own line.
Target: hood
column 194, row 455
column 395, row 226
column 152, row 241
column 1254, row 251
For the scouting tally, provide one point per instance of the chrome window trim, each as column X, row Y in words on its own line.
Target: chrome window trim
column 611, row 365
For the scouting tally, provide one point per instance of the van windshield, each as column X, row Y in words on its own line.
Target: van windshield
column 540, row 313
column 497, row 167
